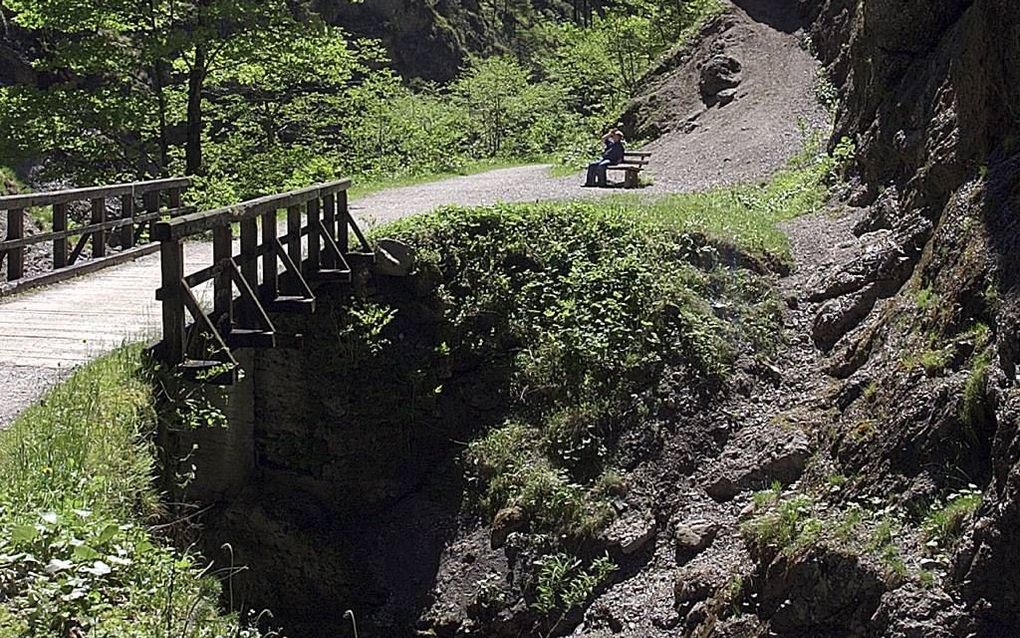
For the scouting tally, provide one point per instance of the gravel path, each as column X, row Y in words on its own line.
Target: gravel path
column 24, row 385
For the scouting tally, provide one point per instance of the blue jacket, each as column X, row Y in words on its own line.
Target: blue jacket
column 614, row 151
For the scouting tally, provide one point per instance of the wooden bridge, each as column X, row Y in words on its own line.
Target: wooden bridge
column 286, row 245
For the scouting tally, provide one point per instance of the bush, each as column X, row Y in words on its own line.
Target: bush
column 595, row 302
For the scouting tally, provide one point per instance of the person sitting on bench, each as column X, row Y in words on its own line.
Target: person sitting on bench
column 612, row 156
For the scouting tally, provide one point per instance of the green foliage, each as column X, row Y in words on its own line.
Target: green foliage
column 564, row 584
column 882, row 542
column 973, row 409
column 259, row 97
column 786, row 526
column 595, row 301
column 946, row 521
column 927, row 298
column 935, row 361
column 76, row 495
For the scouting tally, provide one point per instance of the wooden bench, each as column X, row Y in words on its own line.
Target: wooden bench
column 633, row 163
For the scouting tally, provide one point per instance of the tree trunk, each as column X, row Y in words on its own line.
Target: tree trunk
column 160, row 74
column 196, row 80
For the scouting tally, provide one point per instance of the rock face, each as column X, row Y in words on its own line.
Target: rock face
column 720, row 73
column 930, row 322
column 827, row 593
column 429, row 40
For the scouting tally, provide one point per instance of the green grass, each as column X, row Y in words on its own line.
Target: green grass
column 787, row 524
column 76, row 505
column 946, row 522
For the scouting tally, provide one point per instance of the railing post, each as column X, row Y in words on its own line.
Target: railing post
column 343, row 238
column 127, row 211
column 15, row 256
column 249, row 265
column 314, row 240
column 172, row 272
column 174, row 197
column 59, row 244
column 223, row 288
column 151, row 203
column 99, row 236
column 329, row 221
column 270, row 286
column 294, row 241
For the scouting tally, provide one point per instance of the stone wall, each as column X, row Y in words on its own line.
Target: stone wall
column 339, row 484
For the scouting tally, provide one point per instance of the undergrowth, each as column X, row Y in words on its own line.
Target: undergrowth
column 76, row 508
column 596, row 303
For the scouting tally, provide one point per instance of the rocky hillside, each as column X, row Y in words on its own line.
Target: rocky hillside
column 889, row 434
column 929, row 98
column 432, row 40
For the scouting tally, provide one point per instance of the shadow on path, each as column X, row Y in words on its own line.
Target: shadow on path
column 781, row 15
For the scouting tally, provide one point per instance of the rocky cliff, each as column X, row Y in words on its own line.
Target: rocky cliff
column 923, row 327
column 432, row 40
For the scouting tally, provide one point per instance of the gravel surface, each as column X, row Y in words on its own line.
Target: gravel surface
column 24, row 385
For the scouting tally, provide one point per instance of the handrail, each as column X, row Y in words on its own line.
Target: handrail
column 312, row 245
column 136, row 189
column 198, row 223
column 127, row 221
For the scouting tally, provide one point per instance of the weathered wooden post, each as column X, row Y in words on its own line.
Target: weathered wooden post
column 99, row 236
column 343, row 239
column 270, row 286
column 151, row 203
column 172, row 266
column 15, row 256
column 59, row 244
column 249, row 266
column 223, row 288
column 314, row 239
column 294, row 244
column 127, row 211
column 329, row 222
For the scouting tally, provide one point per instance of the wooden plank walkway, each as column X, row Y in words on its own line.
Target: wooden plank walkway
column 70, row 323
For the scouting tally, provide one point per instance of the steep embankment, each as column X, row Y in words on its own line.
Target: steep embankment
column 733, row 104
column 929, row 97
column 898, row 394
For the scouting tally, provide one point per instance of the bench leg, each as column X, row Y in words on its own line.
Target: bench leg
column 631, row 179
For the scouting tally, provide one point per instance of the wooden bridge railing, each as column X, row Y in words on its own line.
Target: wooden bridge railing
column 311, row 245
column 140, row 204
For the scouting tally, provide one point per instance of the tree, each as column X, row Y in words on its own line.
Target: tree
column 150, row 60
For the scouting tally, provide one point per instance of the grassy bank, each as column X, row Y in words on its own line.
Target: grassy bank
column 76, row 505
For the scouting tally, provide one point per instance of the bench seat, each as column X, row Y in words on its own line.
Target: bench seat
column 633, row 163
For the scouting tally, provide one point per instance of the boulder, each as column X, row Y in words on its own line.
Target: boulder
column 508, row 520
column 755, row 458
column 692, row 537
column 726, row 96
column 632, row 532
column 721, row 72
column 393, row 258
column 822, row 592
